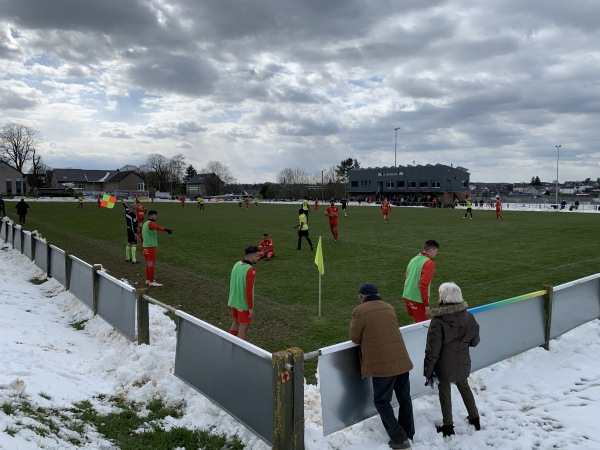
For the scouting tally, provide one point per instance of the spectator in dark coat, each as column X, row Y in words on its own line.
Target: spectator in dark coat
column 22, row 210
column 452, row 331
column 383, row 356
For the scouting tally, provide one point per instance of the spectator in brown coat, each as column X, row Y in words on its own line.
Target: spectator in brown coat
column 452, row 331
column 383, row 356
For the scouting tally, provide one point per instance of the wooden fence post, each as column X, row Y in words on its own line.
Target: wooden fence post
column 288, row 400
column 298, row 380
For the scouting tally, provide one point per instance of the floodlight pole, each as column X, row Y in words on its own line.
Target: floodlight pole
column 322, row 180
column 395, row 146
column 557, row 156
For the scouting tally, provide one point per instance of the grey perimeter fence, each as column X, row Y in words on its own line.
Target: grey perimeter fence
column 208, row 359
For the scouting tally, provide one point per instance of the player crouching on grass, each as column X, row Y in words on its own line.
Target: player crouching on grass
column 241, row 292
column 150, row 242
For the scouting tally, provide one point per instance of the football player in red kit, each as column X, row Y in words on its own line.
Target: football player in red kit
column 385, row 209
column 332, row 212
column 265, row 249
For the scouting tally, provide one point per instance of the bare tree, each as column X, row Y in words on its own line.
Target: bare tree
column 17, row 142
column 158, row 164
column 177, row 166
column 38, row 170
column 295, row 176
column 293, row 182
column 221, row 170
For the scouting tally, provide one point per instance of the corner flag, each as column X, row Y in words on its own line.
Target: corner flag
column 108, row 201
column 319, row 258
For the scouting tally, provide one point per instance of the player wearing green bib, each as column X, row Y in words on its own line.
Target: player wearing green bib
column 417, row 281
column 241, row 292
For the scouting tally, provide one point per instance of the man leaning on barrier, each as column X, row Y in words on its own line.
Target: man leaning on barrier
column 383, row 356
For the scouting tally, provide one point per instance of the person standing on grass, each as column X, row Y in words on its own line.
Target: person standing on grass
column 149, row 244
column 344, row 203
column 316, row 205
column 99, row 202
column 498, row 208
column 417, row 282
column 265, row 249
column 303, row 230
column 22, row 208
column 384, row 358
column 452, row 331
column 385, row 209
column 469, row 208
column 2, row 207
column 80, row 201
column 132, row 231
column 201, row 203
column 332, row 212
column 241, row 293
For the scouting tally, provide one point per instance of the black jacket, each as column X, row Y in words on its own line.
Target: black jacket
column 451, row 332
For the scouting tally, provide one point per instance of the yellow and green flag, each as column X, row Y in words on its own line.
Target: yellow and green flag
column 319, row 258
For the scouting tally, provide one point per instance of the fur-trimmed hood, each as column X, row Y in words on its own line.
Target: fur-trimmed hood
column 451, row 308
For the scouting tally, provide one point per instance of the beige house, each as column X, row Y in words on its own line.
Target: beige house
column 12, row 182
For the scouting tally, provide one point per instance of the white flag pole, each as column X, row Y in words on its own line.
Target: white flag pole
column 319, row 294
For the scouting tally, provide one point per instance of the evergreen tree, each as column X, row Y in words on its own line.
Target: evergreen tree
column 189, row 173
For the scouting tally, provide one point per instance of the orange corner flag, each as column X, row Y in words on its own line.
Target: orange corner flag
column 108, row 201
column 319, row 258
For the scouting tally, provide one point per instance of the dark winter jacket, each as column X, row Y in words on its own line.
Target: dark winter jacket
column 21, row 208
column 451, row 332
column 382, row 350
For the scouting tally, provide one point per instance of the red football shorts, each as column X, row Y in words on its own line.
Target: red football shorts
column 416, row 310
column 149, row 253
column 241, row 315
column 333, row 223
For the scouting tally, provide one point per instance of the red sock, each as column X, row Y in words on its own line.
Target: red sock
column 150, row 275
column 234, row 332
column 147, row 273
column 335, row 235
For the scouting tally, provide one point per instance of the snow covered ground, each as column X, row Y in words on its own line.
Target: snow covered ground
column 537, row 400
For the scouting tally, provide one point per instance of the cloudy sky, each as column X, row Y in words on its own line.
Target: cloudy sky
column 261, row 85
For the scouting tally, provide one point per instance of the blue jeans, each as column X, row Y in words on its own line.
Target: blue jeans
column 404, row 426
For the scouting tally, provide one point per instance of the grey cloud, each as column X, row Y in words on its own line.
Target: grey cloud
column 163, row 72
column 169, row 130
column 116, row 133
column 18, row 96
column 98, row 15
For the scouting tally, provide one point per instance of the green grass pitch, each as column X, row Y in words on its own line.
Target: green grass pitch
column 490, row 259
